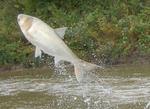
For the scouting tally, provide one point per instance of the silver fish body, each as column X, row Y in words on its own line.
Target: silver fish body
column 44, row 38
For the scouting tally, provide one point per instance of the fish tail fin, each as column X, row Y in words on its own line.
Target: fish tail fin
column 79, row 72
column 81, row 68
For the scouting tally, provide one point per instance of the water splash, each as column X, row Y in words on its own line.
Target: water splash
column 148, row 104
column 100, row 88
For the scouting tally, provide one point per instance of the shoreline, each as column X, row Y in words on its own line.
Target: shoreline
column 17, row 67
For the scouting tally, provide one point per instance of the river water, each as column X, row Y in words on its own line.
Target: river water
column 116, row 87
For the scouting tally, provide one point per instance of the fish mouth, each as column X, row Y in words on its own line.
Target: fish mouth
column 18, row 20
column 24, row 21
column 19, row 17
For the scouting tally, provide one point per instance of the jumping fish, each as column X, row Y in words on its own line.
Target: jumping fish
column 49, row 40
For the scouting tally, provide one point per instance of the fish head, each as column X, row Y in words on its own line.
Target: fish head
column 24, row 21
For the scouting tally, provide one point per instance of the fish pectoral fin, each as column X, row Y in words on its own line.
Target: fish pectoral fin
column 30, row 35
column 57, row 60
column 79, row 72
column 60, row 31
column 38, row 52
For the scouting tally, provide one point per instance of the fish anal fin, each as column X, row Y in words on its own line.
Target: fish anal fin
column 79, row 72
column 60, row 31
column 57, row 60
column 38, row 52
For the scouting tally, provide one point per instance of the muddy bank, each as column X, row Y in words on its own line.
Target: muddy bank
column 18, row 67
column 119, row 61
column 132, row 60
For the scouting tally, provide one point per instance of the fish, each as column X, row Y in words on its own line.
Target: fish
column 50, row 41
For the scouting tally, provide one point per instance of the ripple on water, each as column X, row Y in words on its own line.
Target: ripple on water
column 95, row 90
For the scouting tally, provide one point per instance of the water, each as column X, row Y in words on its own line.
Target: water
column 117, row 87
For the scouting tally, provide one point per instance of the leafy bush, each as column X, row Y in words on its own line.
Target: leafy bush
column 101, row 30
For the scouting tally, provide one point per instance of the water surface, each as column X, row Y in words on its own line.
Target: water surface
column 114, row 87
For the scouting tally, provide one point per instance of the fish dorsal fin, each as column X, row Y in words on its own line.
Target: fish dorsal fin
column 38, row 52
column 60, row 31
column 57, row 60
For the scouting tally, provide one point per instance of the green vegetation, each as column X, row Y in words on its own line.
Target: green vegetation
column 100, row 31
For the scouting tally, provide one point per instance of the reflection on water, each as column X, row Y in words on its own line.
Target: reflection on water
column 110, row 87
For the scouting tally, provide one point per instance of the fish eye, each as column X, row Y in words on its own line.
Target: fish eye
column 18, row 20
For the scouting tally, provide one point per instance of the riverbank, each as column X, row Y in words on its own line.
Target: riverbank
column 119, row 62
